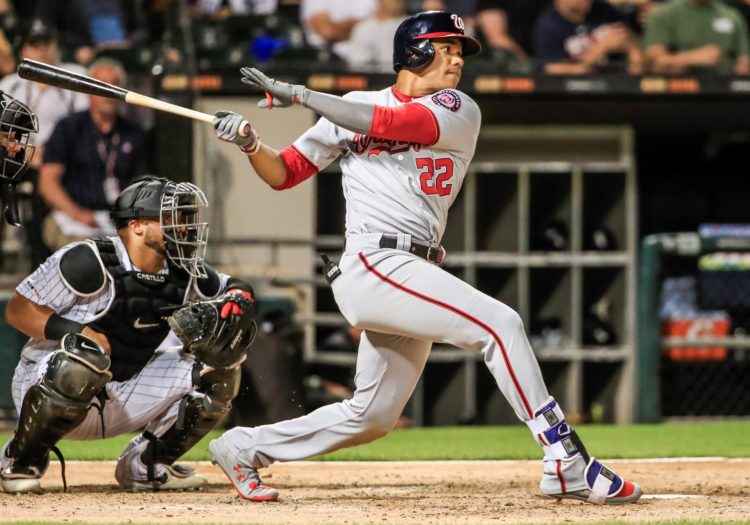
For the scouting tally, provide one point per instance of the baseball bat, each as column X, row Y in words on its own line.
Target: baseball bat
column 55, row 76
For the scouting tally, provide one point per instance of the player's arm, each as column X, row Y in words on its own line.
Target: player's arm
column 666, row 62
column 331, row 30
column 51, row 188
column 42, row 322
column 407, row 122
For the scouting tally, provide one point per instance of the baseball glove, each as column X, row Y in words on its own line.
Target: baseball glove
column 220, row 341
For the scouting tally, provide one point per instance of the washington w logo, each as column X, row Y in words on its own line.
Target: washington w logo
column 458, row 22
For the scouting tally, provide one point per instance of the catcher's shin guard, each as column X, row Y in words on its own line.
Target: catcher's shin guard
column 569, row 470
column 198, row 414
column 57, row 404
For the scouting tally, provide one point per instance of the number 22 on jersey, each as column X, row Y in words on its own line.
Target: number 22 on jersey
column 434, row 175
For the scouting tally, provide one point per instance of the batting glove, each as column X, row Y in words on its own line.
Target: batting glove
column 228, row 124
column 278, row 93
column 234, row 302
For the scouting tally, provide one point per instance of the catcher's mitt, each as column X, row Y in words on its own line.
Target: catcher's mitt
column 216, row 341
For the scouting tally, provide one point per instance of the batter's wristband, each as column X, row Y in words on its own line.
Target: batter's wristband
column 58, row 326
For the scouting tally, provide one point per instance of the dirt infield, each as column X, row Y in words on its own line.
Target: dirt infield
column 392, row 493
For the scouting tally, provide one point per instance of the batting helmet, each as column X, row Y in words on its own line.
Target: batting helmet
column 18, row 124
column 178, row 207
column 411, row 43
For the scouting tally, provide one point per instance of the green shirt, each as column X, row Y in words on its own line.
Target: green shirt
column 682, row 25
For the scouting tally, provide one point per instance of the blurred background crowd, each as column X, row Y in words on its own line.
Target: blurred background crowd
column 553, row 36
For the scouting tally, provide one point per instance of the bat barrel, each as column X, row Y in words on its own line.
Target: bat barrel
column 55, row 76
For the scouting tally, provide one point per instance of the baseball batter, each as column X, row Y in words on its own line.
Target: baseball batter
column 101, row 359
column 404, row 154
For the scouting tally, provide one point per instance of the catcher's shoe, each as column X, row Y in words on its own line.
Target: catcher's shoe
column 131, row 474
column 244, row 478
column 17, row 479
column 573, row 478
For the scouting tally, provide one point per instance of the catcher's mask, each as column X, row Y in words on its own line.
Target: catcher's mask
column 179, row 207
column 18, row 125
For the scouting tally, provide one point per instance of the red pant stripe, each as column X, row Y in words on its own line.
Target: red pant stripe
column 463, row 314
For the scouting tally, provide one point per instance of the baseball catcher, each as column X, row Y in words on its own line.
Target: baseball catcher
column 18, row 125
column 101, row 359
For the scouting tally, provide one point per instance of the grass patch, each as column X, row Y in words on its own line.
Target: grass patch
column 701, row 439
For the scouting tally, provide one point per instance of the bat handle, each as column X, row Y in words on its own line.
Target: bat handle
column 245, row 129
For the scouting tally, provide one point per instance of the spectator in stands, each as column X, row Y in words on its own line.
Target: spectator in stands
column 329, row 23
column 7, row 60
column 50, row 103
column 90, row 156
column 697, row 35
column 87, row 26
column 576, row 37
column 636, row 12
column 507, row 25
column 464, row 8
column 220, row 9
column 367, row 45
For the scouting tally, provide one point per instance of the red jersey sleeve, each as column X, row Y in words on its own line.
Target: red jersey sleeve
column 298, row 168
column 407, row 123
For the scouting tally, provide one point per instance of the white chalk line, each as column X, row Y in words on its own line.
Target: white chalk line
column 708, row 459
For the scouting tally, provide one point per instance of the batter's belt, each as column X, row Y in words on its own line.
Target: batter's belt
column 424, row 249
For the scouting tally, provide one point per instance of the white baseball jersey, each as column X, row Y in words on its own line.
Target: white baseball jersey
column 47, row 287
column 399, row 187
column 148, row 398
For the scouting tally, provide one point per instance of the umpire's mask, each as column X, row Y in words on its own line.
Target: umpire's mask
column 179, row 207
column 18, row 125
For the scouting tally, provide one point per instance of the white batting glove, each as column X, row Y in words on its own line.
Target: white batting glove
column 279, row 94
column 227, row 125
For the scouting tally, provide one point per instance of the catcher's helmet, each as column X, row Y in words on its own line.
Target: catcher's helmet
column 411, row 43
column 178, row 207
column 18, row 124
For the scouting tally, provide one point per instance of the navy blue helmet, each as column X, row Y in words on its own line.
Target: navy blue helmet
column 411, row 43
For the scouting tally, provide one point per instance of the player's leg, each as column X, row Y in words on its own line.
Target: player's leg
column 64, row 384
column 148, row 462
column 434, row 304
column 388, row 368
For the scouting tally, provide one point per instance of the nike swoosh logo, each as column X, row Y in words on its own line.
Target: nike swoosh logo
column 88, row 346
column 139, row 324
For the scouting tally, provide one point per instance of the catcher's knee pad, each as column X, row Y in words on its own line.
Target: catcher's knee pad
column 558, row 438
column 59, row 402
column 198, row 414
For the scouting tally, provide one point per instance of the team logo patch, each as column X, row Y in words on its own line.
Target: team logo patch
column 448, row 99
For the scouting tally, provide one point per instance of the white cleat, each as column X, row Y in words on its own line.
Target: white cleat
column 244, row 478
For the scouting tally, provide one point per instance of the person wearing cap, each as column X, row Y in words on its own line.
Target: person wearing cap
column 90, row 156
column 49, row 102
column 102, row 359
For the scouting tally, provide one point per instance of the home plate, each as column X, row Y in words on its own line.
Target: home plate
column 673, row 496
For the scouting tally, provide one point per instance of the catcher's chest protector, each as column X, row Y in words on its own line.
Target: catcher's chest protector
column 135, row 322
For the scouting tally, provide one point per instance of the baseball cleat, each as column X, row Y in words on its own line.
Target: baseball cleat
column 17, row 479
column 244, row 478
column 174, row 477
column 562, row 479
column 131, row 474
